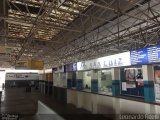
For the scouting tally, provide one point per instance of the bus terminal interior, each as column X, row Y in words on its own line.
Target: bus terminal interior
column 79, row 60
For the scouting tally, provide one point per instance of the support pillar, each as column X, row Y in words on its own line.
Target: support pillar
column 94, row 81
column 115, row 81
column 79, row 80
column 69, row 80
column 148, row 77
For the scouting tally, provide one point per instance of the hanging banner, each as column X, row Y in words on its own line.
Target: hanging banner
column 124, row 86
column 131, row 85
column 157, row 91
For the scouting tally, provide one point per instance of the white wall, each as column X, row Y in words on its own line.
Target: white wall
column 72, row 97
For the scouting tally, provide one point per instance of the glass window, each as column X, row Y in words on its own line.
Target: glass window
column 87, row 80
column 105, row 81
column 63, row 81
column 71, row 76
column 55, row 79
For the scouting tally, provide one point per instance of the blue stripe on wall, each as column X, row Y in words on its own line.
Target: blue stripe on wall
column 149, row 93
column 94, row 85
column 115, row 87
column 79, row 84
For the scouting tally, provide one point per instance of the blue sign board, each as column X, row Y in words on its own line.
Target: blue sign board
column 74, row 66
column 69, row 67
column 145, row 55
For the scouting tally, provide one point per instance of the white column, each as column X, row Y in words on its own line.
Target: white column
column 148, row 72
column 116, row 81
column 69, row 79
column 148, row 77
column 115, row 73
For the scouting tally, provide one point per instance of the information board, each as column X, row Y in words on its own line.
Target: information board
column 145, row 55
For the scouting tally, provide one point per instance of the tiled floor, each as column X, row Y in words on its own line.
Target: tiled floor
column 17, row 101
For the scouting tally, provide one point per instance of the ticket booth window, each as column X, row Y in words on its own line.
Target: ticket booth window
column 105, row 81
column 87, row 80
column 63, row 81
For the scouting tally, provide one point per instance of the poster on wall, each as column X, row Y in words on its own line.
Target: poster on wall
column 157, row 91
column 139, row 77
column 157, row 76
column 131, row 85
column 130, row 74
column 134, row 75
column 124, row 86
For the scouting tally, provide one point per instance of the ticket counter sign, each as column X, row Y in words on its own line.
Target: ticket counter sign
column 74, row 66
column 117, row 60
